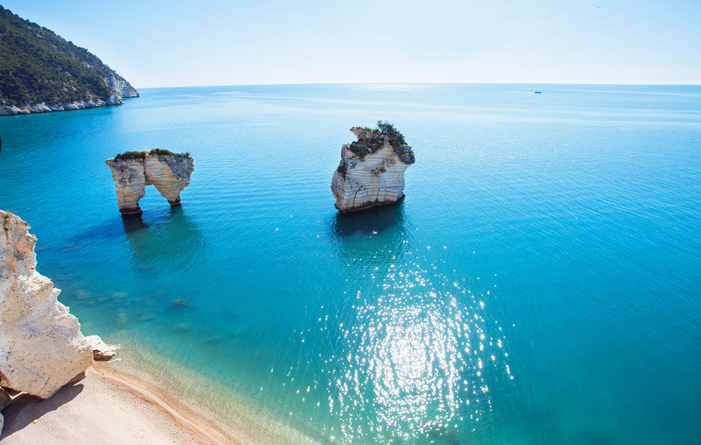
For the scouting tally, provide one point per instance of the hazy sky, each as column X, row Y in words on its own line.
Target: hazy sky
column 210, row 42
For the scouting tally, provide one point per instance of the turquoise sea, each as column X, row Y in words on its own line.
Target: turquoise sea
column 541, row 282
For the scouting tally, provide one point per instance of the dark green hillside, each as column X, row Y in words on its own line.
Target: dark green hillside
column 36, row 65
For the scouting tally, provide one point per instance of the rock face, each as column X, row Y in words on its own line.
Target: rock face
column 169, row 173
column 371, row 172
column 41, row 346
column 120, row 87
column 100, row 350
column 42, row 107
column 130, row 180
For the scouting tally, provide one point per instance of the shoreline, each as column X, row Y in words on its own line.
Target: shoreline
column 106, row 408
column 199, row 397
column 156, row 402
column 191, row 419
column 42, row 107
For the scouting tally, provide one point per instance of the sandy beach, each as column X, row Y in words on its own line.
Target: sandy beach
column 104, row 408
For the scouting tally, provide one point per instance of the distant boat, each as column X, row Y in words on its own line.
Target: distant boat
column 538, row 92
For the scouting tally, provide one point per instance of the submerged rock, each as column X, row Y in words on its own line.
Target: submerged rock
column 371, row 172
column 133, row 171
column 41, row 346
column 121, row 320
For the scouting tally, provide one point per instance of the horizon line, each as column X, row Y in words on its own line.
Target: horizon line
column 426, row 83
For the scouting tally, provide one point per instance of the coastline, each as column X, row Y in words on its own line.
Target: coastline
column 42, row 107
column 196, row 396
column 106, row 408
column 157, row 402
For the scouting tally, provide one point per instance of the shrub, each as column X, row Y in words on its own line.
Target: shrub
column 369, row 144
column 395, row 137
column 155, row 151
column 131, row 155
column 368, row 129
column 160, row 151
column 6, row 220
column 360, row 149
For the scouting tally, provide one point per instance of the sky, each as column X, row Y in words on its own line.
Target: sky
column 211, row 42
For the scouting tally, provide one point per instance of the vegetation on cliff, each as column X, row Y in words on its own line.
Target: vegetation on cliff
column 155, row 151
column 360, row 149
column 36, row 66
column 395, row 137
column 374, row 139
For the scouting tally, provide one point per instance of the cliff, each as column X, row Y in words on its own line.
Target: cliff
column 41, row 346
column 133, row 171
column 371, row 172
column 41, row 72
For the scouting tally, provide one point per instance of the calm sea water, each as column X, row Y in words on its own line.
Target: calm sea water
column 541, row 282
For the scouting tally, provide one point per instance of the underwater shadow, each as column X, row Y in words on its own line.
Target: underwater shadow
column 117, row 226
column 133, row 223
column 163, row 238
column 367, row 222
column 375, row 236
column 153, row 218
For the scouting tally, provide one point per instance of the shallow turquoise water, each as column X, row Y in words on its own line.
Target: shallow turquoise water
column 539, row 284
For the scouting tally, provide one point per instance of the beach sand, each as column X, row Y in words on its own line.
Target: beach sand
column 105, row 408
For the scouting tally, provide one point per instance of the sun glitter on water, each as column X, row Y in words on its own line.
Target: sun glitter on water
column 416, row 362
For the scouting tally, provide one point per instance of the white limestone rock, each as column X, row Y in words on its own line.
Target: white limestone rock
column 375, row 179
column 101, row 351
column 130, row 180
column 41, row 346
column 169, row 173
column 122, row 89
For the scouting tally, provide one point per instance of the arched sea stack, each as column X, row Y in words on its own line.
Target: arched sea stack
column 133, row 171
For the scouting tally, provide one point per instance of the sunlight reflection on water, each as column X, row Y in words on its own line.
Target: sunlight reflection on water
column 414, row 361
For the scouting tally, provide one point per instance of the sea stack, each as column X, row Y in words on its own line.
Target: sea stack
column 133, row 171
column 41, row 346
column 371, row 172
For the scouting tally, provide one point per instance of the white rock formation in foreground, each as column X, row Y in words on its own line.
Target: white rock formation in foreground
column 41, row 346
column 371, row 172
column 101, row 351
column 133, row 171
